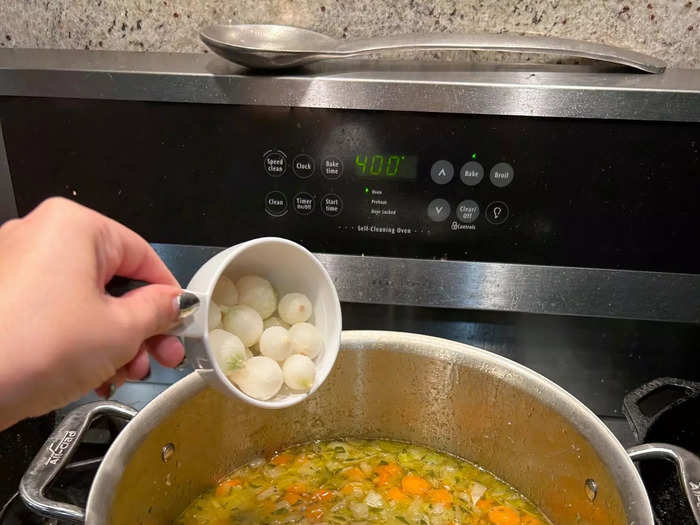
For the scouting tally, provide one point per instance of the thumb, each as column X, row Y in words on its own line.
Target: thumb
column 151, row 309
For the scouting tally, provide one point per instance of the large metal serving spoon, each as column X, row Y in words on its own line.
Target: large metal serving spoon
column 260, row 46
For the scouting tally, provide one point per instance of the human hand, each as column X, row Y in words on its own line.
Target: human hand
column 61, row 334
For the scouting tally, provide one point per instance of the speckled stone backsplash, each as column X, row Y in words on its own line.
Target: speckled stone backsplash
column 668, row 29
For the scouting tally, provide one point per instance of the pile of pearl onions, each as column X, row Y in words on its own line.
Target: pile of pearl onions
column 305, row 339
column 295, row 308
column 257, row 293
column 244, row 322
column 299, row 372
column 259, row 377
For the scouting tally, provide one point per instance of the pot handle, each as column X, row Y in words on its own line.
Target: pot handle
column 56, row 453
column 687, row 464
column 631, row 405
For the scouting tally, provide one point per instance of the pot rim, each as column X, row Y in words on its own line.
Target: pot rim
column 612, row 453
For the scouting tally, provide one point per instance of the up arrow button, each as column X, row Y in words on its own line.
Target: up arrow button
column 442, row 172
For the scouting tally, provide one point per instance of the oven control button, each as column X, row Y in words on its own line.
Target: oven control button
column 438, row 210
column 442, row 172
column 303, row 166
column 331, row 205
column 332, row 168
column 275, row 162
column 497, row 212
column 501, row 174
column 471, row 173
column 303, row 203
column 467, row 211
column 276, row 203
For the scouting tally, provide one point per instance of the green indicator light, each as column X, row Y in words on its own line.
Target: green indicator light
column 473, row 155
column 366, row 190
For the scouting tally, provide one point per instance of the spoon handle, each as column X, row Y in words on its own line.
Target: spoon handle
column 506, row 42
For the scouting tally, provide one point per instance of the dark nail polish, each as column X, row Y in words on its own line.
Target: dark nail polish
column 147, row 376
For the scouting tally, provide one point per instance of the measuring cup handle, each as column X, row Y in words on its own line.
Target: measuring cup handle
column 193, row 315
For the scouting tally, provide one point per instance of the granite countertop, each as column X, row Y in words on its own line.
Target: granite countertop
column 667, row 29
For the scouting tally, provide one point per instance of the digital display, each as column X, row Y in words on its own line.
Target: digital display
column 386, row 166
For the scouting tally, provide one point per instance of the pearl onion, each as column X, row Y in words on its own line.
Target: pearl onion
column 257, row 293
column 305, row 339
column 274, row 343
column 295, row 308
column 228, row 350
column 274, row 321
column 299, row 372
column 214, row 316
column 225, row 292
column 244, row 322
column 260, row 377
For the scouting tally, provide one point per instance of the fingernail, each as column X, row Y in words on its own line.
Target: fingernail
column 187, row 303
column 147, row 376
column 112, row 389
column 175, row 305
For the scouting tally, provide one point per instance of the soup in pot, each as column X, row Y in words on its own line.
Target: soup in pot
column 358, row 482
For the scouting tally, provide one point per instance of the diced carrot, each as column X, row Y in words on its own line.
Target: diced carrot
column 396, row 494
column 224, row 487
column 415, row 485
column 291, row 497
column 529, row 519
column 440, row 496
column 385, row 473
column 484, row 504
column 354, row 474
column 502, row 515
column 323, row 495
column 282, row 459
column 314, row 513
column 297, row 488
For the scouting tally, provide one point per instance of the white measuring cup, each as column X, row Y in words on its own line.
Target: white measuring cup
column 290, row 268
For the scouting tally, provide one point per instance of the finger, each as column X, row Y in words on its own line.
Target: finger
column 166, row 349
column 131, row 256
column 107, row 388
column 140, row 366
column 149, row 310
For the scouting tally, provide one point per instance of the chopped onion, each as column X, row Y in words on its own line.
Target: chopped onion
column 374, row 500
column 366, row 468
column 214, row 316
column 228, row 349
column 244, row 322
column 295, row 308
column 257, row 293
column 299, row 372
column 271, row 491
column 256, row 462
column 359, row 510
column 259, row 377
column 305, row 339
column 274, row 343
column 225, row 292
column 476, row 491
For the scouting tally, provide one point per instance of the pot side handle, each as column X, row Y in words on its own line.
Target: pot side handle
column 687, row 464
column 56, row 453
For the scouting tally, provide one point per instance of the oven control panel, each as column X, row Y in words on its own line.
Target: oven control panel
column 566, row 192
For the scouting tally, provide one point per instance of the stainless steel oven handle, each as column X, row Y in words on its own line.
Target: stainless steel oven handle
column 56, row 453
column 687, row 464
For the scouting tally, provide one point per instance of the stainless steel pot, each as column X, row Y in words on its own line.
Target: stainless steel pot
column 414, row 388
